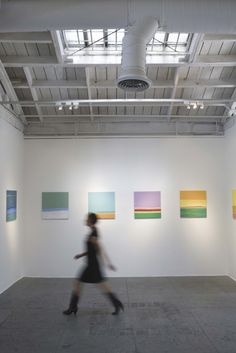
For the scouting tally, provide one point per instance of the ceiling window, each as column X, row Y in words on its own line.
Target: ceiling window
column 107, row 41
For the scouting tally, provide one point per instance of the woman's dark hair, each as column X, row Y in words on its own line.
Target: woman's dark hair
column 93, row 218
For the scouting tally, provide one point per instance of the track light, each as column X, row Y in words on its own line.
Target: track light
column 71, row 105
column 194, row 105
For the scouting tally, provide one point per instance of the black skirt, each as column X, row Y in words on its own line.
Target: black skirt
column 92, row 272
column 91, row 275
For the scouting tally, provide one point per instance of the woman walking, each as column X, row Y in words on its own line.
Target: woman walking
column 92, row 272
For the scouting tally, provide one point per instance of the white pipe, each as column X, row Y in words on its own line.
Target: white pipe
column 134, row 52
column 199, row 16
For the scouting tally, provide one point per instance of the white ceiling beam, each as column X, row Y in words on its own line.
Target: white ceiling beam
column 87, row 73
column 84, row 61
column 216, row 60
column 220, row 37
column 11, row 93
column 20, row 61
column 33, row 91
column 123, row 117
column 176, row 80
column 59, row 50
column 228, row 83
column 195, row 47
column 122, row 102
column 50, row 84
column 26, row 37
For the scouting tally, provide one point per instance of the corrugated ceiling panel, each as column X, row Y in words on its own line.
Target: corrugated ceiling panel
column 23, row 94
column 111, row 92
column 80, row 74
column 50, row 73
column 226, row 48
column 60, row 73
column 120, row 95
column 2, row 50
column 39, row 73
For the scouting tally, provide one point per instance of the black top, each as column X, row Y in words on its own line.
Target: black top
column 92, row 272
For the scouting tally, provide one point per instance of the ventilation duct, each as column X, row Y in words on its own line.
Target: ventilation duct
column 133, row 75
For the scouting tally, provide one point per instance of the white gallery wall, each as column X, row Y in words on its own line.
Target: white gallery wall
column 153, row 247
column 230, row 184
column 11, row 178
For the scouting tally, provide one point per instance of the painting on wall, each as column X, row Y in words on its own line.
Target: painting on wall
column 55, row 205
column 193, row 204
column 11, row 205
column 102, row 203
column 234, row 203
column 147, row 204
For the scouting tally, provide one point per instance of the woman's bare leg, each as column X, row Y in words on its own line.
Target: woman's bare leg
column 77, row 287
column 112, row 297
column 105, row 287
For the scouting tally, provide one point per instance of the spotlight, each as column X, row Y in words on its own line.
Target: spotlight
column 202, row 106
column 195, row 105
column 188, row 106
column 60, row 107
column 71, row 106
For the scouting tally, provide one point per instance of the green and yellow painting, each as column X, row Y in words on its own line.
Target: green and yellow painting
column 193, row 204
column 234, row 203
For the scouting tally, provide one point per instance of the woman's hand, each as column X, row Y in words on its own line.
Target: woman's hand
column 111, row 267
column 76, row 257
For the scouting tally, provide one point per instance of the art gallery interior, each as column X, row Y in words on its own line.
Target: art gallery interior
column 118, row 97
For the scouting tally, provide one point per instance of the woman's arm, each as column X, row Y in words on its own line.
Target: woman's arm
column 76, row 257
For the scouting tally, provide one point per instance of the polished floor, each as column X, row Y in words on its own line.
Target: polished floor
column 162, row 315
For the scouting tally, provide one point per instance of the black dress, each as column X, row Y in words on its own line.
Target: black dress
column 92, row 272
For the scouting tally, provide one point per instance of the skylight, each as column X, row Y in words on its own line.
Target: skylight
column 109, row 41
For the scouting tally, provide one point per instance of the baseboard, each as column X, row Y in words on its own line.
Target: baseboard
column 4, row 290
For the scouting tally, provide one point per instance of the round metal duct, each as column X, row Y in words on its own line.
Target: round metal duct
column 132, row 83
column 133, row 75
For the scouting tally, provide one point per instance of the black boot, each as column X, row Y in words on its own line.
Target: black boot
column 116, row 303
column 73, row 308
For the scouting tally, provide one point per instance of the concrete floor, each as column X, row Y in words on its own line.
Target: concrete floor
column 162, row 315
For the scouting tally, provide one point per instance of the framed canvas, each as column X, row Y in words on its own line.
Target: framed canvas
column 11, row 205
column 55, row 205
column 102, row 203
column 234, row 204
column 193, row 204
column 147, row 204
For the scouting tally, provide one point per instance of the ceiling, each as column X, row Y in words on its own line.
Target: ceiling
column 41, row 77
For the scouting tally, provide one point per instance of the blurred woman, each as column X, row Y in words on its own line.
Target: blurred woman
column 92, row 272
